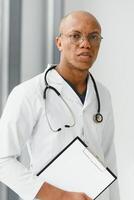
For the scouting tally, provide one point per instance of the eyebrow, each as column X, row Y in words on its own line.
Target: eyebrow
column 76, row 31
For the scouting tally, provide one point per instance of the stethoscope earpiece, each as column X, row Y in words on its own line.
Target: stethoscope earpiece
column 98, row 118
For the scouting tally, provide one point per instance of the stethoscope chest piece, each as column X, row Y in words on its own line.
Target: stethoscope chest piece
column 98, row 118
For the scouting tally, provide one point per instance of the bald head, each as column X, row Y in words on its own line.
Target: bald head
column 78, row 15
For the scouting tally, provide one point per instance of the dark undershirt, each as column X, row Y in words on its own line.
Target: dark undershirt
column 81, row 96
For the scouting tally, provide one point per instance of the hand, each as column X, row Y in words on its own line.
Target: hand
column 74, row 196
column 50, row 192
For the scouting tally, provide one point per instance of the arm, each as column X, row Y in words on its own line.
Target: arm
column 109, row 151
column 16, row 126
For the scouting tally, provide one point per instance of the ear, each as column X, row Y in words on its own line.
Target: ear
column 58, row 43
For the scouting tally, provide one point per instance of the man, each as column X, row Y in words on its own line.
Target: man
column 28, row 118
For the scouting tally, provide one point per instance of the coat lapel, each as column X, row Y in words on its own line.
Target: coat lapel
column 55, row 80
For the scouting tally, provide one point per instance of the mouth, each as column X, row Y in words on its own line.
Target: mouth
column 85, row 56
column 86, row 53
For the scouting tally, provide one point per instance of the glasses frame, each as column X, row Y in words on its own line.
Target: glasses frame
column 93, row 41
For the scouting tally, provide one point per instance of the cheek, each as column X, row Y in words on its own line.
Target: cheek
column 95, row 53
column 70, row 52
column 71, row 48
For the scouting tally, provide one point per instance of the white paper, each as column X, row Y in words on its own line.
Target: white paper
column 76, row 169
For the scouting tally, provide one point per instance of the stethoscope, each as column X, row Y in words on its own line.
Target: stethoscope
column 98, row 118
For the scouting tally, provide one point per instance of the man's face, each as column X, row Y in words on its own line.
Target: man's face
column 79, row 41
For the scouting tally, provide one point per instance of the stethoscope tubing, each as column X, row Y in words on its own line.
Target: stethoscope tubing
column 98, row 118
column 96, row 92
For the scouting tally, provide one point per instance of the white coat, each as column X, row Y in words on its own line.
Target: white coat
column 24, row 121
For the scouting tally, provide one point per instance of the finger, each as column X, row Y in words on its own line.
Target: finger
column 87, row 197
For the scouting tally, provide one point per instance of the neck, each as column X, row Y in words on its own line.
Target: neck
column 78, row 78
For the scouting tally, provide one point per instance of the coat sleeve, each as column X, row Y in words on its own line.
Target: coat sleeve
column 16, row 125
column 109, row 151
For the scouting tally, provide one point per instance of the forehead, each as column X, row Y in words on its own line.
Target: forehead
column 80, row 22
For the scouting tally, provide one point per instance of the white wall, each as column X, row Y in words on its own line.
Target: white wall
column 115, row 68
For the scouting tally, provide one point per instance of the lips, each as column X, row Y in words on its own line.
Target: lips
column 84, row 54
column 84, row 57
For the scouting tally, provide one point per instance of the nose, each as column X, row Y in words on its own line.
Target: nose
column 85, row 43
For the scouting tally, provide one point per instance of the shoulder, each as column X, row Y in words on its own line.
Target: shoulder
column 105, row 96
column 33, row 87
column 26, row 98
column 30, row 89
column 103, row 90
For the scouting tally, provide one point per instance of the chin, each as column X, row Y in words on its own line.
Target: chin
column 84, row 66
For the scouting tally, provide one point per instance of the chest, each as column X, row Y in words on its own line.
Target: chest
column 56, row 114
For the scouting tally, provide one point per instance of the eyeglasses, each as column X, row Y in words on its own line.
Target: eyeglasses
column 77, row 38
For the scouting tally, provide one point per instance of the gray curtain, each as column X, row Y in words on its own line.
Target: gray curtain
column 10, row 51
column 9, row 60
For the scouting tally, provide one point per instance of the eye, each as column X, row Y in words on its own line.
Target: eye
column 75, row 36
column 94, row 37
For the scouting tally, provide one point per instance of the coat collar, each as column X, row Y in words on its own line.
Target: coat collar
column 55, row 80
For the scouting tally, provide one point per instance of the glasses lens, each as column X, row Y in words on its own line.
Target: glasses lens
column 94, row 39
column 75, row 38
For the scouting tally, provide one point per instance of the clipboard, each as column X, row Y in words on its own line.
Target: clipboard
column 76, row 169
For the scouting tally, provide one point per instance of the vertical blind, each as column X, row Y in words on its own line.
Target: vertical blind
column 11, row 48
